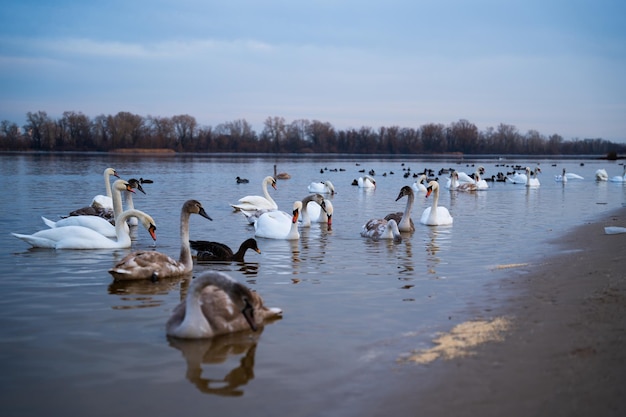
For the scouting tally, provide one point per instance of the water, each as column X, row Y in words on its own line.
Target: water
column 75, row 343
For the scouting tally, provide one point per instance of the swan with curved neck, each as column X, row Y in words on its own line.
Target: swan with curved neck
column 97, row 223
column 322, row 187
column 154, row 265
column 216, row 251
column 216, row 304
column 403, row 219
column 134, row 183
column 618, row 178
column 435, row 215
column 418, row 185
column 256, row 202
column 80, row 237
column 366, row 181
column 318, row 203
column 278, row 224
column 105, row 201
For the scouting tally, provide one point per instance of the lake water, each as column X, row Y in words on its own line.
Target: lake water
column 74, row 343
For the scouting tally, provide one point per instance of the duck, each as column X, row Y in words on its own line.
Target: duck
column 312, row 202
column 435, row 215
column 156, row 265
column 403, row 219
column 216, row 304
column 322, row 187
column 79, row 237
column 377, row 229
column 242, row 180
column 281, row 176
column 256, row 202
column 278, row 224
column 216, row 251
column 105, row 201
column 366, row 181
column 602, row 175
column 97, row 223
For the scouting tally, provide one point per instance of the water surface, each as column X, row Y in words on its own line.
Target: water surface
column 73, row 342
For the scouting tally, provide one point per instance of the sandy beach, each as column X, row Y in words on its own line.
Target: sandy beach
column 561, row 351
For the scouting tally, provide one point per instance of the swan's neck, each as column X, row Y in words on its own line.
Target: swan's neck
column 195, row 322
column 405, row 221
column 293, row 232
column 267, row 195
column 117, row 204
column 185, row 249
column 121, row 228
column 107, row 184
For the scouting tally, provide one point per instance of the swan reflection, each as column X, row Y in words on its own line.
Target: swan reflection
column 207, row 359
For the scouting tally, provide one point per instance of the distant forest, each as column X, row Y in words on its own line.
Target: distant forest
column 77, row 132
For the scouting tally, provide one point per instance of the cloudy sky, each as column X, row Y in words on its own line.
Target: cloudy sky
column 555, row 66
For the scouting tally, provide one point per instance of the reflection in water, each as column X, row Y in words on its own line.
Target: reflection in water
column 216, row 351
column 139, row 293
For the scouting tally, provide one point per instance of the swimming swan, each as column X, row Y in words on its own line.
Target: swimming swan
column 322, row 187
column 79, row 237
column 403, row 219
column 217, row 304
column 435, row 215
column 256, row 202
column 105, row 201
column 154, row 265
column 278, row 224
column 366, row 182
column 377, row 229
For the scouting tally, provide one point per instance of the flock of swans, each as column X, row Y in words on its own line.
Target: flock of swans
column 215, row 303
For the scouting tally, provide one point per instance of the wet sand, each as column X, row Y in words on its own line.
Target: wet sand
column 561, row 352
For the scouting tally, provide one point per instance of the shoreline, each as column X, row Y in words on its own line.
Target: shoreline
column 563, row 353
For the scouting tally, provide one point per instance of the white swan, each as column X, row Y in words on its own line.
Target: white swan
column 319, row 215
column 561, row 178
column 311, row 202
column 256, row 202
column 602, row 175
column 418, row 185
column 97, row 223
column 155, row 265
column 377, row 229
column 217, row 304
column 481, row 184
column 618, row 178
column 518, row 178
column 134, row 183
column 322, row 187
column 435, row 215
column 366, row 182
column 403, row 219
column 78, row 237
column 278, row 224
column 531, row 179
column 105, row 201
column 454, row 185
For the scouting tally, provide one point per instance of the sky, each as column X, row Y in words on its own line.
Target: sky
column 553, row 66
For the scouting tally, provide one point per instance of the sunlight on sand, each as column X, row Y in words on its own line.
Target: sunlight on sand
column 461, row 339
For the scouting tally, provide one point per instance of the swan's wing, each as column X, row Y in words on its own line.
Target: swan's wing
column 211, row 249
column 144, row 265
column 395, row 216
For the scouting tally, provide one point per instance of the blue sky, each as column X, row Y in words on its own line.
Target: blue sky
column 555, row 66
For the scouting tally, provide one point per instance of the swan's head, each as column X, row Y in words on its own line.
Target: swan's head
column 121, row 185
column 329, row 213
column 148, row 222
column 297, row 207
column 405, row 191
column 111, row 171
column 432, row 186
column 195, row 207
column 270, row 180
column 330, row 186
column 251, row 244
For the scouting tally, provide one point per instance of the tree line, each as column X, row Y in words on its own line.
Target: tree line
column 74, row 131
